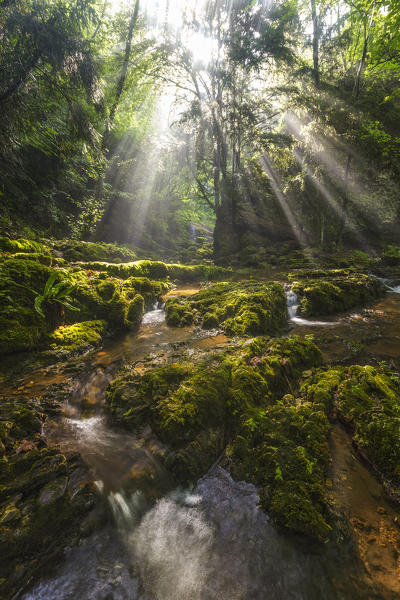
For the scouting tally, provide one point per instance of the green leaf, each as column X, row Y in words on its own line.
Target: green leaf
column 68, row 305
column 49, row 284
column 38, row 306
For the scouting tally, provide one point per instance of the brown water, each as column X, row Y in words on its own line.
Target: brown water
column 374, row 520
column 214, row 543
column 370, row 335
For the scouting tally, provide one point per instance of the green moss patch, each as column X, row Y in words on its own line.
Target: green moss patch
column 368, row 401
column 79, row 336
column 154, row 269
column 21, row 327
column 74, row 251
column 238, row 309
column 23, row 246
column 283, row 450
column 329, row 292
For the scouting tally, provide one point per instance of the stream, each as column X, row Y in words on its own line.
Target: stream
column 213, row 541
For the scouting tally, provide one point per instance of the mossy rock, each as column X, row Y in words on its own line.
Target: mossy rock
column 326, row 294
column 391, row 256
column 196, row 409
column 238, row 309
column 190, row 273
column 111, row 300
column 44, row 259
column 283, row 450
column 158, row 270
column 23, row 246
column 367, row 400
column 150, row 290
column 21, row 327
column 120, row 303
column 74, row 251
column 79, row 336
column 132, row 398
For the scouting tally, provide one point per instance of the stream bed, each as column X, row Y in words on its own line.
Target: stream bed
column 213, row 541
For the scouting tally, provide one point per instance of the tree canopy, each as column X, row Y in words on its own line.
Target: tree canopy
column 145, row 123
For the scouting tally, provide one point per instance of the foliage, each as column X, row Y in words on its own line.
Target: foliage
column 55, row 292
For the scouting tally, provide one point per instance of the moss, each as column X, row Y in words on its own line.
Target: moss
column 108, row 300
column 238, row 309
column 197, row 405
column 322, row 386
column 44, row 259
column 141, row 268
column 26, row 272
column 283, row 450
column 198, row 272
column 391, row 256
column 178, row 312
column 368, row 400
column 117, row 302
column 131, row 398
column 79, row 336
column 21, row 327
column 158, row 270
column 150, row 290
column 135, row 310
column 190, row 462
column 17, row 337
column 319, row 274
column 210, row 321
column 282, row 361
column 23, row 246
column 328, row 294
column 74, row 250
column 250, row 395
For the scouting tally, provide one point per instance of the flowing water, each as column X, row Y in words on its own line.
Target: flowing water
column 213, row 542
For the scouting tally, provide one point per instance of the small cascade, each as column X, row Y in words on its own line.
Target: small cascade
column 127, row 511
column 292, row 303
column 387, row 283
column 154, row 317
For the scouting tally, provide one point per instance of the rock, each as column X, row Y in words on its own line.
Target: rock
column 11, row 514
column 53, row 491
column 26, row 446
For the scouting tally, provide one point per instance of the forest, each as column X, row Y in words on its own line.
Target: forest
column 200, row 299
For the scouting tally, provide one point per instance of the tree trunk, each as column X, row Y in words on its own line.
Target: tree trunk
column 315, row 41
column 99, row 186
column 122, row 77
column 226, row 234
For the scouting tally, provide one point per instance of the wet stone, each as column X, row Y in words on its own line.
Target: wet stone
column 53, row 491
column 10, row 515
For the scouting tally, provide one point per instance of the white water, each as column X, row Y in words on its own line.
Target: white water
column 386, row 282
column 212, row 544
column 154, row 317
column 293, row 303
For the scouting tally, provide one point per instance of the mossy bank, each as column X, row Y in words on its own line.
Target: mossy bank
column 236, row 308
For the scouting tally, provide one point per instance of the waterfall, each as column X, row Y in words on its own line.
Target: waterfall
column 292, row 303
